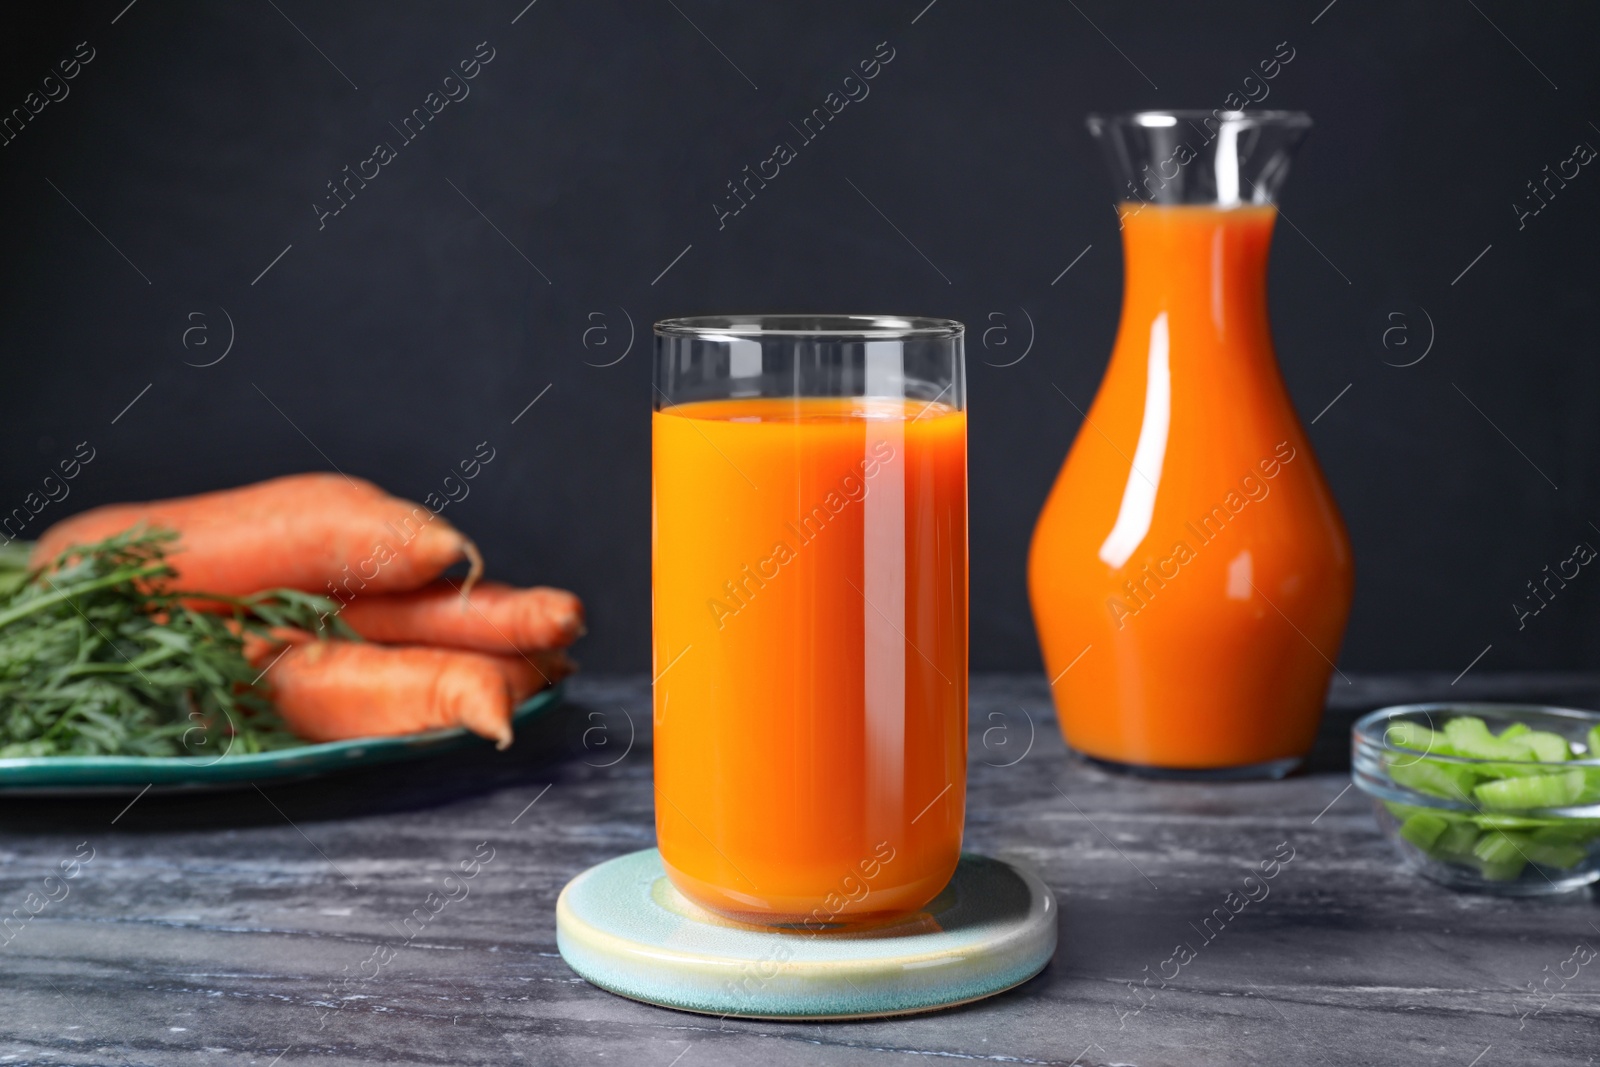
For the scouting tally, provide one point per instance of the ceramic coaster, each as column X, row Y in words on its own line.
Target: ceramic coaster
column 624, row 927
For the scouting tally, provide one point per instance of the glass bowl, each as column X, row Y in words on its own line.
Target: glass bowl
column 1513, row 818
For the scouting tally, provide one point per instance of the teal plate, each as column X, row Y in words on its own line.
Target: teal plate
column 625, row 928
column 118, row 774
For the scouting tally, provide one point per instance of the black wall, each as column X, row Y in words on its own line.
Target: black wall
column 408, row 328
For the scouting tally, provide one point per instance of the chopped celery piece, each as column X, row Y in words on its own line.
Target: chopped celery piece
column 1457, row 840
column 1539, row 791
column 1523, row 768
column 1516, row 729
column 1591, row 785
column 1502, row 872
column 1567, row 831
column 1417, row 737
column 1502, row 854
column 1450, row 780
column 1594, row 742
column 1496, row 821
column 1498, row 847
column 1470, row 737
column 1402, row 812
column 1546, row 747
column 1423, row 829
column 1467, row 730
column 1550, row 854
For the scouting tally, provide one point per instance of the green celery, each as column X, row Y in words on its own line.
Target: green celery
column 1546, row 747
column 1502, row 854
column 1423, row 829
column 1497, row 821
column 1541, row 791
column 1591, row 785
column 1567, row 831
column 1402, row 812
column 1457, row 840
column 1525, row 767
column 1469, row 736
column 1548, row 854
column 1451, row 780
column 1418, row 738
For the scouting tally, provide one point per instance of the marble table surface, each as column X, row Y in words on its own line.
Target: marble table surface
column 264, row 927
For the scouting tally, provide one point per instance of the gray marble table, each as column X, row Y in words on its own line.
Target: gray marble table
column 265, row 927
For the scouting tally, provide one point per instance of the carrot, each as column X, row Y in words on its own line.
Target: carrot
column 493, row 617
column 528, row 672
column 338, row 690
column 319, row 533
column 259, row 649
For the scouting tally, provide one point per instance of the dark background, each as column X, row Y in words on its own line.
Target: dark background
column 392, row 341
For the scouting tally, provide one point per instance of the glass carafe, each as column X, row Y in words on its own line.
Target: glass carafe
column 1190, row 573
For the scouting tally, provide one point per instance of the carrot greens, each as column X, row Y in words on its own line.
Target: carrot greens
column 99, row 655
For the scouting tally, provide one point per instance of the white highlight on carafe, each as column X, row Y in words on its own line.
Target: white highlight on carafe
column 1139, row 495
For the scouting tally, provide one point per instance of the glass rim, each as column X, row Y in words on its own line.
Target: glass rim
column 1370, row 730
column 1160, row 118
column 864, row 327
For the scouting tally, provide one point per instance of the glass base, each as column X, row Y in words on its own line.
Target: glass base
column 880, row 903
column 1534, row 881
column 1271, row 770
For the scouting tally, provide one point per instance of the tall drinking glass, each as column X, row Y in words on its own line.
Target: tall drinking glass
column 810, row 613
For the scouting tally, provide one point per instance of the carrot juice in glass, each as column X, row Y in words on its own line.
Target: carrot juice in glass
column 809, row 555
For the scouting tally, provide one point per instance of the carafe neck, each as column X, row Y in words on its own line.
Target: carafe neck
column 1203, row 268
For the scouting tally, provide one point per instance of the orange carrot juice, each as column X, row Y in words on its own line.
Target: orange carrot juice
column 810, row 584
column 1190, row 573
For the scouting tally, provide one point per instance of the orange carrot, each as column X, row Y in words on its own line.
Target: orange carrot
column 528, row 672
column 259, row 649
column 493, row 617
column 320, row 533
column 337, row 690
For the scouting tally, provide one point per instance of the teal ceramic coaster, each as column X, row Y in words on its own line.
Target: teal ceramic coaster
column 624, row 927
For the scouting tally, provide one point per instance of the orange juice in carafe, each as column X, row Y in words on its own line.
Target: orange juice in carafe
column 1190, row 574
